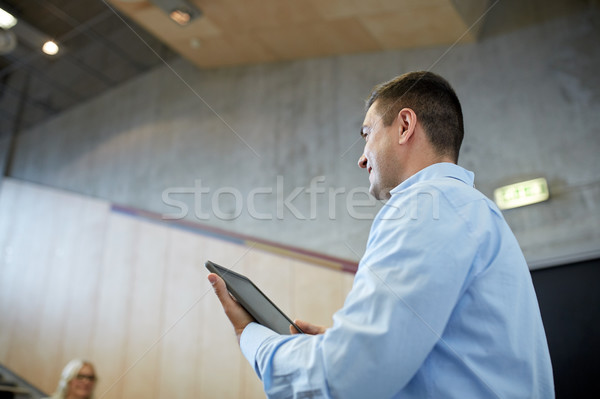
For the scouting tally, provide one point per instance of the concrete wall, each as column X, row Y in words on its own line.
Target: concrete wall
column 530, row 95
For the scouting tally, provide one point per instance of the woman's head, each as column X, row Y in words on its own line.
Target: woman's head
column 77, row 381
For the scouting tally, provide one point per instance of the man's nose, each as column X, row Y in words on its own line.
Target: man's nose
column 362, row 161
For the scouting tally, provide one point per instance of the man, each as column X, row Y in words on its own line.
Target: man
column 442, row 304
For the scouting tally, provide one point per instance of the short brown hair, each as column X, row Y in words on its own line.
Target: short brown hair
column 434, row 101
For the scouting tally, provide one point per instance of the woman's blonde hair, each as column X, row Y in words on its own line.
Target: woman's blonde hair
column 68, row 373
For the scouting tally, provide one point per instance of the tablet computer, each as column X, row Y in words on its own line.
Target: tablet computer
column 253, row 300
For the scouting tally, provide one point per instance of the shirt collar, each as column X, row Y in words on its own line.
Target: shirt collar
column 436, row 171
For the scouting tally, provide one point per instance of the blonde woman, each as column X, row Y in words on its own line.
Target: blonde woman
column 77, row 381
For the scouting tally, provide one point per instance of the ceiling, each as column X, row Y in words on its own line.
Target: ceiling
column 232, row 32
column 107, row 42
column 98, row 51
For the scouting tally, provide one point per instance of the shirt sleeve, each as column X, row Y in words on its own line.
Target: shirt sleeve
column 408, row 282
column 252, row 337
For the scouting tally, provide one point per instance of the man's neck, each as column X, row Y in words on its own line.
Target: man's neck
column 416, row 167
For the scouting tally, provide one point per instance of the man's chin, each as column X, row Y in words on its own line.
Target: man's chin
column 381, row 194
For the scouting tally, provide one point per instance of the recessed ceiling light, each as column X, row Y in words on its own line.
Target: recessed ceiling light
column 50, row 47
column 7, row 21
column 181, row 16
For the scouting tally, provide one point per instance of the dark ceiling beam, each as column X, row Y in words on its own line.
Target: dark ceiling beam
column 109, row 82
column 47, row 79
column 6, row 115
column 42, row 105
column 12, row 67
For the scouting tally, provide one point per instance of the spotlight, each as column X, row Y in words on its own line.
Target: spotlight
column 7, row 21
column 181, row 15
column 50, row 47
column 181, row 11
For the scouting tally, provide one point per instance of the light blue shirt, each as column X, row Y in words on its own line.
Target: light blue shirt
column 442, row 306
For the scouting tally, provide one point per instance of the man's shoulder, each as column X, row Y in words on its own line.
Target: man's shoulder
column 455, row 191
column 433, row 200
column 439, row 200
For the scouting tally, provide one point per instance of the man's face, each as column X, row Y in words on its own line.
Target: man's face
column 380, row 156
column 82, row 385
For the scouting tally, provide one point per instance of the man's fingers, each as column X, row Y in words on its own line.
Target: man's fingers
column 308, row 328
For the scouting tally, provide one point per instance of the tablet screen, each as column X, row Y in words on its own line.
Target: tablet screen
column 253, row 300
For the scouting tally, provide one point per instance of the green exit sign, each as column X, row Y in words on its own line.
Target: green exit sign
column 521, row 194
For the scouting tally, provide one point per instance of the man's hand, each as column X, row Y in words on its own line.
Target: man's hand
column 237, row 315
column 308, row 328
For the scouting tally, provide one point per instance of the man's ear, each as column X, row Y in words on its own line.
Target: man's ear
column 407, row 122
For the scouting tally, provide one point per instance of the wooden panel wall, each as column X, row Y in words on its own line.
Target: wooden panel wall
column 78, row 280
